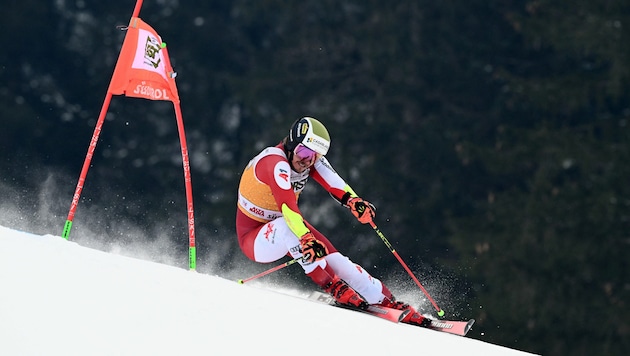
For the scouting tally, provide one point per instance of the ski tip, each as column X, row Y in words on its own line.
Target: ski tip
column 469, row 326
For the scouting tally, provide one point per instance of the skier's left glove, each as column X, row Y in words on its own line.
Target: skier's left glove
column 312, row 248
column 363, row 210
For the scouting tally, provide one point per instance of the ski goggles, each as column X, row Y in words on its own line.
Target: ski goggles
column 305, row 154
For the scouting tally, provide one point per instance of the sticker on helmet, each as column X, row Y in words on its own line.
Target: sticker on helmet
column 282, row 175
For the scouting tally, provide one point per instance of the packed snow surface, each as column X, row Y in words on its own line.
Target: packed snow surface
column 60, row 298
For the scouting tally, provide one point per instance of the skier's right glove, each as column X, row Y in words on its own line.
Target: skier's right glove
column 312, row 249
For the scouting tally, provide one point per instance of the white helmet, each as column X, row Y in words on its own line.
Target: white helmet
column 309, row 132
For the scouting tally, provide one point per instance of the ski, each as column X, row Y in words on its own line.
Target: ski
column 460, row 328
column 393, row 315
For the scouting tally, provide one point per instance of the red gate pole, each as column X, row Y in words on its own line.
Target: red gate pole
column 90, row 153
column 86, row 166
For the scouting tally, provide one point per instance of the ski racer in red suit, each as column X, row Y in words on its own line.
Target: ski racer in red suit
column 269, row 223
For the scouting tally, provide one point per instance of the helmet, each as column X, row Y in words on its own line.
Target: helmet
column 309, row 132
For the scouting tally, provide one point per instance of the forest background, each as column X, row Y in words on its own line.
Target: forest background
column 492, row 136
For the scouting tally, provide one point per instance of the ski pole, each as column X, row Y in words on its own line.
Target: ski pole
column 380, row 234
column 271, row 270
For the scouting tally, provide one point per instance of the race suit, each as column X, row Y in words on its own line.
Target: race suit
column 269, row 222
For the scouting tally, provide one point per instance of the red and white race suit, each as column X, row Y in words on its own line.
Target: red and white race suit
column 269, row 222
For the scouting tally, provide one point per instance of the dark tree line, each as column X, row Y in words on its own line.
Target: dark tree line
column 493, row 137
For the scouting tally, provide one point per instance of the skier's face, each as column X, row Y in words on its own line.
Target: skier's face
column 303, row 158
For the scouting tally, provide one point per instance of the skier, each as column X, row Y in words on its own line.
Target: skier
column 269, row 223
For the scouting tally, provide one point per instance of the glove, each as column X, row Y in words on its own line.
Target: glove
column 363, row 210
column 312, row 249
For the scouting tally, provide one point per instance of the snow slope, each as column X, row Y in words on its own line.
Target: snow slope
column 59, row 298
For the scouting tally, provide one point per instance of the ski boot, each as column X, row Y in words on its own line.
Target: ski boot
column 413, row 317
column 337, row 287
column 344, row 294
